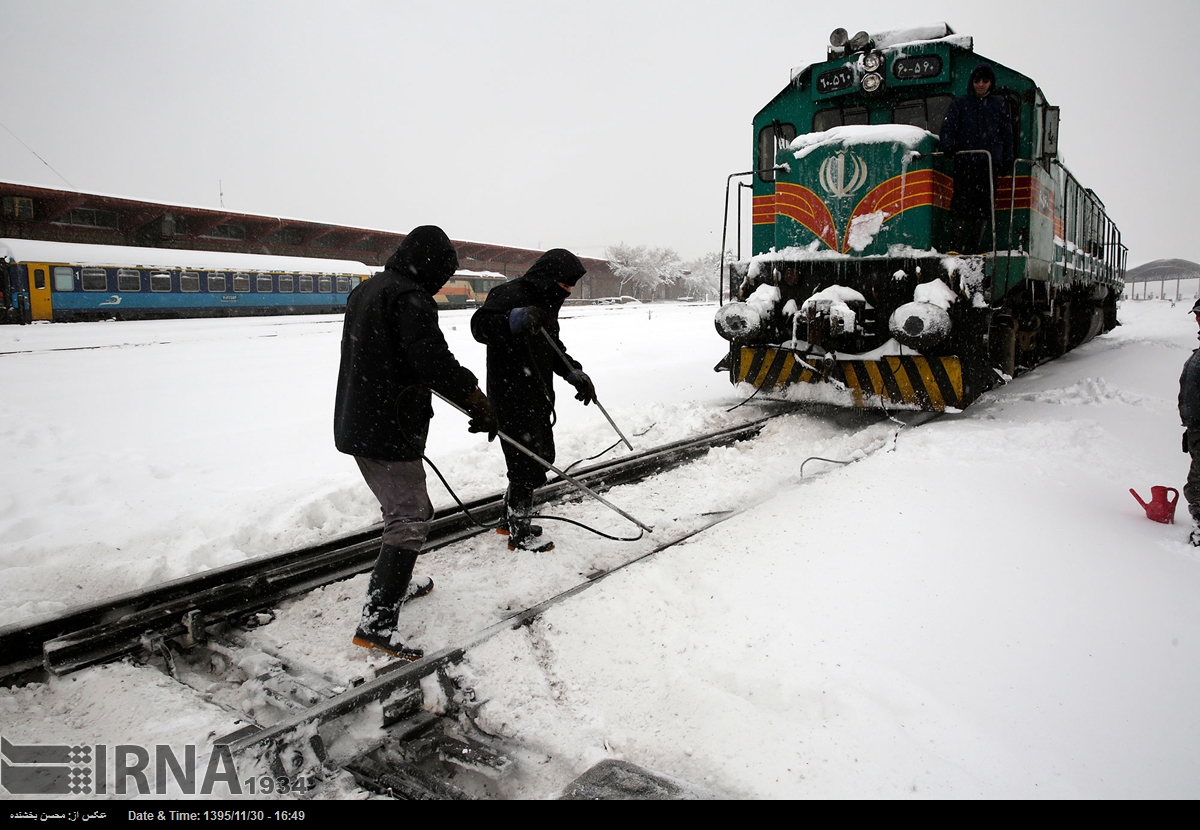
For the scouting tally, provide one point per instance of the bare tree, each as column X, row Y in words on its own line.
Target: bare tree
column 644, row 270
column 702, row 276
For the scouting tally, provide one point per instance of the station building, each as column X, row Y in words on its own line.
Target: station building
column 33, row 212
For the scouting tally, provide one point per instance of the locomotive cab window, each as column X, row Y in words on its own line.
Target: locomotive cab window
column 771, row 138
column 264, row 284
column 840, row 117
column 189, row 282
column 926, row 113
column 286, row 283
column 241, row 281
column 306, row 284
column 64, row 279
column 129, row 280
column 94, row 279
column 160, row 282
column 216, row 284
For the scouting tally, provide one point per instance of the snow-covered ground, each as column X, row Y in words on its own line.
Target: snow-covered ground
column 976, row 607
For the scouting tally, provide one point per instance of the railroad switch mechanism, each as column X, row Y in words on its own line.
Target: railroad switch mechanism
column 613, row 780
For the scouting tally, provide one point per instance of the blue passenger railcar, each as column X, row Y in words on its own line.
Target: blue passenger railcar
column 65, row 282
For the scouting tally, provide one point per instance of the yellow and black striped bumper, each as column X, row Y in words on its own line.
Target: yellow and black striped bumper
column 932, row 383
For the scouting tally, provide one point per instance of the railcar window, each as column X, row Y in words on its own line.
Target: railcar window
column 39, row 279
column 840, row 117
column 241, row 281
column 343, row 285
column 216, row 283
column 263, row 284
column 354, row 281
column 771, row 138
column 286, row 281
column 306, row 285
column 64, row 279
column 129, row 279
column 160, row 282
column 94, row 279
column 325, row 285
column 189, row 281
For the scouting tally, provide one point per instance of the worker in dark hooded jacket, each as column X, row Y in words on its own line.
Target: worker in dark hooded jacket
column 979, row 120
column 1189, row 415
column 393, row 353
column 514, row 323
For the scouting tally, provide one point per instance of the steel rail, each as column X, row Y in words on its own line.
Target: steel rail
column 401, row 676
column 108, row 629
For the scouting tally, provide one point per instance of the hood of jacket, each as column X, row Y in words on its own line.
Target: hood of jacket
column 982, row 72
column 426, row 256
column 554, row 266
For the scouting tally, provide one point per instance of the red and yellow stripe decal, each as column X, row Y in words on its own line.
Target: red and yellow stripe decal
column 919, row 188
column 808, row 209
column 932, row 383
column 1030, row 195
column 764, row 209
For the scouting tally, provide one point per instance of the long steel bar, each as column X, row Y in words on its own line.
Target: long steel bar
column 595, row 399
column 512, row 442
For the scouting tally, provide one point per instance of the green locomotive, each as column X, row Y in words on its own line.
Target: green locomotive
column 854, row 279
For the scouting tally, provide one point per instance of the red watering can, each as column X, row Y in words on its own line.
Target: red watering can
column 1159, row 509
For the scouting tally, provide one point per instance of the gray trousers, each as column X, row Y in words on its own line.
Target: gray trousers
column 403, row 500
column 1191, row 490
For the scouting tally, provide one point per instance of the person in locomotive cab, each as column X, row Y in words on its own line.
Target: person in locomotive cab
column 393, row 353
column 516, row 322
column 979, row 120
column 1189, row 415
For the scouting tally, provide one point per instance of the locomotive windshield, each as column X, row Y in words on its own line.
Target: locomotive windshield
column 926, row 113
column 840, row 117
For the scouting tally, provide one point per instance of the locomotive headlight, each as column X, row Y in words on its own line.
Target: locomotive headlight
column 872, row 61
column 872, row 82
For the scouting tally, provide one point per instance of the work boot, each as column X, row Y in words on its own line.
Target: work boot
column 523, row 534
column 390, row 587
column 388, row 641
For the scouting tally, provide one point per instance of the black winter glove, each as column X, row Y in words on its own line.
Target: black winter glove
column 529, row 318
column 483, row 417
column 585, row 390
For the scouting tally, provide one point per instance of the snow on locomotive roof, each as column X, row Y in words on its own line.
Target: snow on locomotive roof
column 903, row 134
column 910, row 36
column 36, row 250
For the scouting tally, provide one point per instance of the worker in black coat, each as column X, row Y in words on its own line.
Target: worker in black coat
column 1189, row 415
column 393, row 353
column 979, row 120
column 514, row 323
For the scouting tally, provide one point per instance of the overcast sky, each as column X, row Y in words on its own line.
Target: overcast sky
column 541, row 124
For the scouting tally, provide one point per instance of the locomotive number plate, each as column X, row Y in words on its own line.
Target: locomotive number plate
column 915, row 68
column 835, row 80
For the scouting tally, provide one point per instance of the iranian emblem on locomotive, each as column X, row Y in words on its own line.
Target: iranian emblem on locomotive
column 843, row 173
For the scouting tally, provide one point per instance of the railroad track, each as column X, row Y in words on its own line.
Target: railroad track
column 193, row 629
column 106, row 630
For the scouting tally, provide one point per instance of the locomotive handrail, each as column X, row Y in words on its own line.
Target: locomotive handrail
column 991, row 202
column 725, row 226
column 1114, row 268
column 1012, row 213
